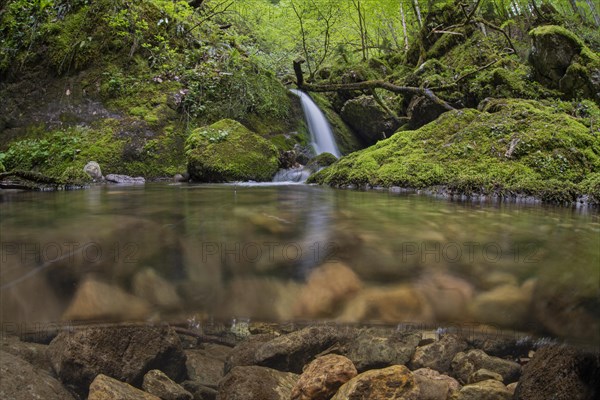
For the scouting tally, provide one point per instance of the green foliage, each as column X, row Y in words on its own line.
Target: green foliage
column 512, row 147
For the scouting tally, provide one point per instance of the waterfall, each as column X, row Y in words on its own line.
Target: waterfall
column 321, row 138
column 320, row 132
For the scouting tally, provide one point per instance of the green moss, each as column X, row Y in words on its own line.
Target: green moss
column 514, row 146
column 228, row 151
column 557, row 30
column 591, row 186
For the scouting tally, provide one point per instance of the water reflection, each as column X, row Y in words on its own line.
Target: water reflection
column 297, row 252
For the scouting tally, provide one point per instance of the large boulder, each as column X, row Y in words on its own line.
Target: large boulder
column 125, row 353
column 21, row 381
column 561, row 61
column 395, row 382
column 368, row 119
column 560, row 372
column 228, row 151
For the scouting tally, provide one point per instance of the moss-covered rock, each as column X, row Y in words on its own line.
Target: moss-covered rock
column 321, row 161
column 227, row 151
column 368, row 119
column 512, row 146
column 562, row 61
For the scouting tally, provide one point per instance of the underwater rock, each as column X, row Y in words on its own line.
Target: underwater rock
column 22, row 381
column 255, row 382
column 465, row 364
column 561, row 373
column 372, row 348
column 435, row 386
column 106, row 388
column 488, row 389
column 395, row 382
column 123, row 352
column 160, row 385
column 292, row 351
column 156, row 290
column 439, row 354
column 323, row 377
column 326, row 288
column 95, row 300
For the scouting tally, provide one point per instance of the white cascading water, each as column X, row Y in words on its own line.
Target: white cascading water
column 320, row 132
column 321, row 137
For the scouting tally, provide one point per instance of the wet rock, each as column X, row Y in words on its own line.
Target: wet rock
column 483, row 375
column 449, row 296
column 150, row 286
column 256, row 383
column 123, row 352
column 22, row 381
column 368, row 119
column 92, row 168
column 157, row 383
column 326, row 288
column 435, row 386
column 464, row 364
column 125, row 179
column 501, row 346
column 292, row 351
column 560, row 372
column 203, row 368
column 566, row 309
column 485, row 390
column 200, row 392
column 504, row 306
column 395, row 382
column 264, row 298
column 182, row 178
column 323, row 377
column 439, row 354
column 372, row 349
column 95, row 300
column 34, row 353
column 389, row 305
column 512, row 387
column 245, row 353
column 106, row 388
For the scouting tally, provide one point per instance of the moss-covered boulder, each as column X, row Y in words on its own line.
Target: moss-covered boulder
column 227, row 151
column 368, row 119
column 562, row 61
column 321, row 161
column 511, row 146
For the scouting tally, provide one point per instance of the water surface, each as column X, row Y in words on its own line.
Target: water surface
column 297, row 252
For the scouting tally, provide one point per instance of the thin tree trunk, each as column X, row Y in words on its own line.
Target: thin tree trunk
column 404, row 30
column 594, row 12
column 418, row 12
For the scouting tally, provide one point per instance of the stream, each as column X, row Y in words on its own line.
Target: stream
column 280, row 252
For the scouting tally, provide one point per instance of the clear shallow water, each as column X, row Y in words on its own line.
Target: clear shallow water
column 297, row 252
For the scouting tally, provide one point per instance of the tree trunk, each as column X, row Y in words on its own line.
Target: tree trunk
column 594, row 12
column 404, row 31
column 418, row 12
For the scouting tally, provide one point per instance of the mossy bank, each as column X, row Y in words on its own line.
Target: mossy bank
column 510, row 147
